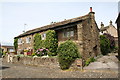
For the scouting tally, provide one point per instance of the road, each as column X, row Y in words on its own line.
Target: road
column 13, row 70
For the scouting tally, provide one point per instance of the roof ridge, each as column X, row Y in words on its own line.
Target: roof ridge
column 54, row 25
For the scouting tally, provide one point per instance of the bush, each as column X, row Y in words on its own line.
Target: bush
column 104, row 45
column 111, row 40
column 51, row 42
column 67, row 53
column 89, row 60
column 33, row 54
column 41, row 52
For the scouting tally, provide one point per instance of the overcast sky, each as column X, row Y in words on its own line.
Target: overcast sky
column 13, row 15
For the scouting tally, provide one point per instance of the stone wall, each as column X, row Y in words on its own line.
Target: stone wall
column 36, row 61
column 24, row 45
column 46, row 61
column 88, row 37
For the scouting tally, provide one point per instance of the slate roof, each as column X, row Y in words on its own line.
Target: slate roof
column 55, row 25
column 105, row 28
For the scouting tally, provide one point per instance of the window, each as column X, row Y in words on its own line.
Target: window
column 28, row 39
column 71, row 33
column 19, row 41
column 43, row 36
column 68, row 33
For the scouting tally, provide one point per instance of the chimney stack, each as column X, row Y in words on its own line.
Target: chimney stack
column 102, row 25
column 110, row 22
column 90, row 9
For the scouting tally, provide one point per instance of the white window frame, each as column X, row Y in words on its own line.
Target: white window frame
column 43, row 36
column 28, row 39
column 19, row 41
column 71, row 33
column 68, row 33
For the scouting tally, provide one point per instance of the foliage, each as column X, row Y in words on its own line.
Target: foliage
column 1, row 52
column 37, row 41
column 104, row 45
column 111, row 40
column 16, row 44
column 89, row 60
column 51, row 42
column 67, row 53
column 29, row 52
column 41, row 52
column 33, row 54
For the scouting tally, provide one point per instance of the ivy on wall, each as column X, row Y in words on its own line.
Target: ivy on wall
column 37, row 41
column 16, row 44
column 50, row 43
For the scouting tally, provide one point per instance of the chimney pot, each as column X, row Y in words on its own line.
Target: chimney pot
column 90, row 9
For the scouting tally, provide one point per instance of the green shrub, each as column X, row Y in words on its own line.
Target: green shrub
column 51, row 42
column 104, row 45
column 89, row 60
column 33, row 54
column 111, row 40
column 67, row 53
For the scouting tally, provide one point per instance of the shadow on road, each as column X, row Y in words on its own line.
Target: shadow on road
column 4, row 67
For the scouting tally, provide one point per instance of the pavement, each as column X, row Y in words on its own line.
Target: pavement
column 105, row 62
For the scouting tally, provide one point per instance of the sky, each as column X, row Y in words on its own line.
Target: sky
column 13, row 15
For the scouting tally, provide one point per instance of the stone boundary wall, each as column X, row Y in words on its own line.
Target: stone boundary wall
column 46, row 61
column 37, row 61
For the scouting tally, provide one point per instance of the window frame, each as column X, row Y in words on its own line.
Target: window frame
column 68, row 33
column 28, row 39
column 20, row 41
column 43, row 36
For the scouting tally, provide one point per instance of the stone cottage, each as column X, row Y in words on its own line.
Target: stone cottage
column 110, row 29
column 82, row 30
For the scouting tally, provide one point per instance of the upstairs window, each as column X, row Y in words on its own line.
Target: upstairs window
column 28, row 39
column 19, row 41
column 43, row 36
column 71, row 33
column 68, row 33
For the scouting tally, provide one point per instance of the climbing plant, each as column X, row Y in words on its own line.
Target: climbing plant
column 51, row 42
column 16, row 44
column 37, row 41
